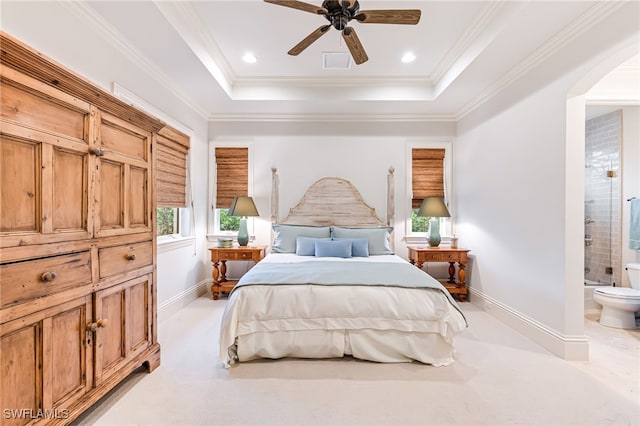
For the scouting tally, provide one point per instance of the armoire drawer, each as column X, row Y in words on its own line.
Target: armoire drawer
column 118, row 259
column 31, row 279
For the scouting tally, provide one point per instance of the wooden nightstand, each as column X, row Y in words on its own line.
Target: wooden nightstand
column 419, row 255
column 219, row 257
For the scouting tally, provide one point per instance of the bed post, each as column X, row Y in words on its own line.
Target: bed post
column 390, row 197
column 274, row 198
column 274, row 195
column 391, row 201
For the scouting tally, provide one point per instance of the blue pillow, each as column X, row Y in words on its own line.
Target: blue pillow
column 284, row 240
column 332, row 248
column 379, row 238
column 359, row 246
column 306, row 246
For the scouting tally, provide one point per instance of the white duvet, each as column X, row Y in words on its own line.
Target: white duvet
column 377, row 323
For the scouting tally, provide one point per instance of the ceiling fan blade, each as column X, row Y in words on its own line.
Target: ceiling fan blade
column 306, row 42
column 404, row 17
column 355, row 47
column 300, row 5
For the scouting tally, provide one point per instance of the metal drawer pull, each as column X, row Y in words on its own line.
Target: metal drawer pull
column 130, row 256
column 48, row 277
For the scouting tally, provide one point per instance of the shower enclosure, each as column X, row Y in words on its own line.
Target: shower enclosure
column 603, row 200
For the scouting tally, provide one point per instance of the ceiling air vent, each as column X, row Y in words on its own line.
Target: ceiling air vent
column 336, row 60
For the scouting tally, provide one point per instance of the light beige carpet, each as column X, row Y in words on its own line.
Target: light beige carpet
column 499, row 378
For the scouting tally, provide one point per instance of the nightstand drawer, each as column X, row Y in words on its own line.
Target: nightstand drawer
column 235, row 255
column 440, row 257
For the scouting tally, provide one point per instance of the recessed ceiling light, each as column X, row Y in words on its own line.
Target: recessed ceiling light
column 408, row 57
column 249, row 58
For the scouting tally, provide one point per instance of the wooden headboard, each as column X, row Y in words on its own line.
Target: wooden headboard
column 332, row 201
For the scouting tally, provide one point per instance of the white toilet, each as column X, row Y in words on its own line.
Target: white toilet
column 619, row 304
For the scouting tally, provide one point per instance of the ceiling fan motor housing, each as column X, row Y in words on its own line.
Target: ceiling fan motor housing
column 339, row 14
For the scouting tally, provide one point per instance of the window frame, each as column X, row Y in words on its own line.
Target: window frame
column 447, row 224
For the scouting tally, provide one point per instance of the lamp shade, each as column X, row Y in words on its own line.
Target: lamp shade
column 433, row 207
column 243, row 206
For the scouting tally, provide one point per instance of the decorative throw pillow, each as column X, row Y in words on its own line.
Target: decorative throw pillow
column 379, row 238
column 306, row 246
column 332, row 248
column 359, row 246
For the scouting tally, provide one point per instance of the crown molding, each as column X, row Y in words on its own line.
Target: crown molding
column 113, row 37
column 335, row 118
column 465, row 41
column 187, row 23
column 579, row 26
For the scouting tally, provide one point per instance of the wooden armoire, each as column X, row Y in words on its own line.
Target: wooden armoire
column 77, row 240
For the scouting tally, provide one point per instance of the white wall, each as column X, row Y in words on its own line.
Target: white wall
column 69, row 40
column 519, row 172
column 306, row 152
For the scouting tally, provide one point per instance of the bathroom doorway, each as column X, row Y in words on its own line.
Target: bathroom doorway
column 603, row 197
column 612, row 177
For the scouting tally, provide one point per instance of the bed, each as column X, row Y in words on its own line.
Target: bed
column 332, row 286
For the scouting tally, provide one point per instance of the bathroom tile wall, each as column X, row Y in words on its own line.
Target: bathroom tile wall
column 603, row 198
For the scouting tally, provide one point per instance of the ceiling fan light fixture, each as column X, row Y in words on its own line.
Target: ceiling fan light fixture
column 408, row 57
column 339, row 13
column 249, row 58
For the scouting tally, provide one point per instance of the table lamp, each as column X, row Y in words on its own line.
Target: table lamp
column 243, row 207
column 434, row 208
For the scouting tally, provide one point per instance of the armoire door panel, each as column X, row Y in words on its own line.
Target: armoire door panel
column 138, row 198
column 20, row 171
column 69, row 191
column 120, row 137
column 68, row 354
column 127, row 332
column 138, row 316
column 46, row 187
column 21, row 374
column 111, row 195
column 111, row 335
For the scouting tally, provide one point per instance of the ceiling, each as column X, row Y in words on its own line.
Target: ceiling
column 465, row 52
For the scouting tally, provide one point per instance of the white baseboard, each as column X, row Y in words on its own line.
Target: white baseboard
column 572, row 348
column 182, row 299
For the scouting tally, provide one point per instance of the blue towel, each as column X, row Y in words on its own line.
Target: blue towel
column 634, row 225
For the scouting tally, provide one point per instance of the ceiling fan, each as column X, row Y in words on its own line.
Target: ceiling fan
column 339, row 13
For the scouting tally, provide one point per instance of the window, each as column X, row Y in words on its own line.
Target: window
column 171, row 150
column 167, row 221
column 227, row 223
column 428, row 178
column 231, row 180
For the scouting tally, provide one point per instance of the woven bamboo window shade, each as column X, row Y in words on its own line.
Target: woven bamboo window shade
column 232, row 175
column 172, row 148
column 427, row 170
